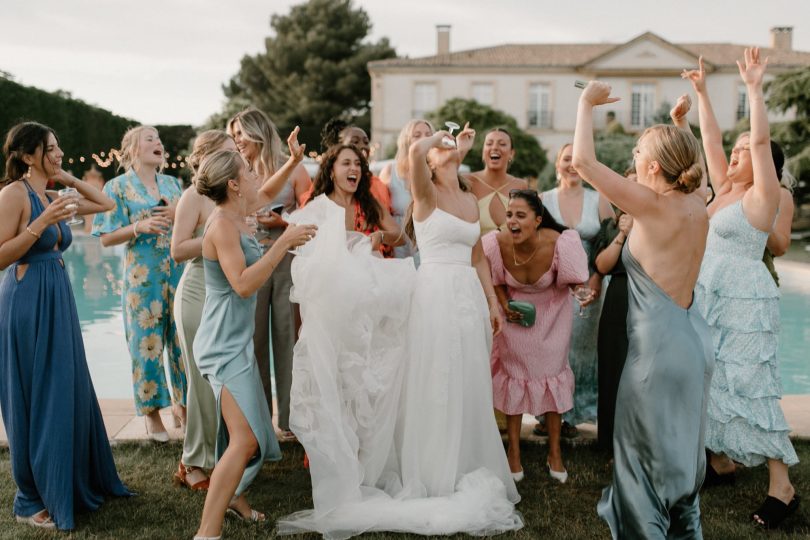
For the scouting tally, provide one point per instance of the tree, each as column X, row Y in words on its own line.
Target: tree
column 313, row 68
column 530, row 158
column 791, row 92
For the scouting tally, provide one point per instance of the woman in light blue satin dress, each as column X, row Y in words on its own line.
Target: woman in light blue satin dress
column 223, row 347
column 663, row 392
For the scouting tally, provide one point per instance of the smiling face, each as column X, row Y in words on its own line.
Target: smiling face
column 248, row 149
column 346, row 172
column 521, row 220
column 356, row 137
column 566, row 172
column 150, row 148
column 740, row 168
column 497, row 151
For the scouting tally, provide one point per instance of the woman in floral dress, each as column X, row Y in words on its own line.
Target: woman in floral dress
column 144, row 208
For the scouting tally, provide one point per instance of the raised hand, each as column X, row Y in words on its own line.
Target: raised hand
column 597, row 93
column 696, row 76
column 681, row 108
column 296, row 150
column 753, row 71
column 298, row 235
column 465, row 138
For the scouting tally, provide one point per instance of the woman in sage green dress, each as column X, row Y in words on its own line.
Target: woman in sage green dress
column 193, row 211
column 223, row 347
column 663, row 392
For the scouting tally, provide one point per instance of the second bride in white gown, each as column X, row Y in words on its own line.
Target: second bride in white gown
column 443, row 469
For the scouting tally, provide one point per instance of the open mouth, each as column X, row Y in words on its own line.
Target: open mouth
column 514, row 229
column 158, row 153
column 352, row 179
column 494, row 157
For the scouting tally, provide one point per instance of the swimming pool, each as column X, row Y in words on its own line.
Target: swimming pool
column 95, row 273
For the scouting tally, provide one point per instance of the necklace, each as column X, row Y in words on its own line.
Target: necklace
column 514, row 256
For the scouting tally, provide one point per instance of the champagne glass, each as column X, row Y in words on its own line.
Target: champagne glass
column 582, row 293
column 73, row 206
column 450, row 142
column 252, row 223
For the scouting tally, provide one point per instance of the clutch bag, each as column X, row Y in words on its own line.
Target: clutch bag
column 526, row 309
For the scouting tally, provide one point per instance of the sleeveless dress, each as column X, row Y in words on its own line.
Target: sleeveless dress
column 400, row 202
column 660, row 416
column 740, row 300
column 443, row 470
column 486, row 222
column 582, row 355
column 530, row 371
column 60, row 455
column 223, row 348
column 201, row 419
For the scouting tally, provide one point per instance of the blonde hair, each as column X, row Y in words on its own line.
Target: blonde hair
column 215, row 170
column 130, row 146
column 259, row 129
column 404, row 144
column 677, row 152
column 205, row 143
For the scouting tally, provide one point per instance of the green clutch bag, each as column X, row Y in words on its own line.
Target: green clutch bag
column 526, row 309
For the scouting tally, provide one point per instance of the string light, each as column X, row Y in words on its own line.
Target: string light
column 105, row 159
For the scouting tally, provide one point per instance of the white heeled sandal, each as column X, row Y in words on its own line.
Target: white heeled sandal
column 561, row 477
column 518, row 476
column 46, row 523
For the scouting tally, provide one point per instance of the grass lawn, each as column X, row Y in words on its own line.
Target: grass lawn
column 551, row 510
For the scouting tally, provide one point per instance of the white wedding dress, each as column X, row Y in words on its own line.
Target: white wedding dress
column 392, row 393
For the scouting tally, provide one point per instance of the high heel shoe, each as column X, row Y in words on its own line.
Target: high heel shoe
column 157, row 436
column 180, row 478
column 561, row 477
column 208, row 537
column 253, row 517
column 518, row 476
column 179, row 416
column 44, row 523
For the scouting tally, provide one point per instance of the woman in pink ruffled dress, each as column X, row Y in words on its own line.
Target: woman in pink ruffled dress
column 534, row 260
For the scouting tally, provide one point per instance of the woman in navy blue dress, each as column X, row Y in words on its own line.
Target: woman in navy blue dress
column 60, row 456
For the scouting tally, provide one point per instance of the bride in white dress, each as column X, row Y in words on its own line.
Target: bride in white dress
column 425, row 370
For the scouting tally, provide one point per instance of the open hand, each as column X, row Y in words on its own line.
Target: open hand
column 753, row 71
column 597, row 93
column 465, row 138
column 296, row 150
column 696, row 76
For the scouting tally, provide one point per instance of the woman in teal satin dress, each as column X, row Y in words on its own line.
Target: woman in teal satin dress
column 223, row 346
column 663, row 391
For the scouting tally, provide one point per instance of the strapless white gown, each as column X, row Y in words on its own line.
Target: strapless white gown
column 392, row 392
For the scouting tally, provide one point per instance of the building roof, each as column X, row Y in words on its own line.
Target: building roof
column 567, row 55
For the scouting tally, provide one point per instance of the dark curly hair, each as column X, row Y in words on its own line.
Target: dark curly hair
column 24, row 138
column 532, row 198
column 324, row 184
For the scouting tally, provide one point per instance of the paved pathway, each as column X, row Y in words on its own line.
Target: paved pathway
column 123, row 426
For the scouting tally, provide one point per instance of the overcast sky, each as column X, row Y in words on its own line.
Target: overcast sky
column 164, row 62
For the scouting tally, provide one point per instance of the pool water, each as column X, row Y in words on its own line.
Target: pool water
column 95, row 273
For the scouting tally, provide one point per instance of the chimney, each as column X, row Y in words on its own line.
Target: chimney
column 442, row 39
column 782, row 38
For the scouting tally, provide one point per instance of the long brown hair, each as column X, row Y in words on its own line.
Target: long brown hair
column 24, row 138
column 325, row 184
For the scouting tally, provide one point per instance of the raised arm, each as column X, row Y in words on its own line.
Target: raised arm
column 422, row 189
column 710, row 133
column 92, row 200
column 631, row 197
column 273, row 185
column 678, row 115
column 184, row 245
column 761, row 201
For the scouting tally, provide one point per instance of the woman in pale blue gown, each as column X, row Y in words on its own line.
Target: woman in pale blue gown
column 740, row 301
column 663, row 392
column 223, row 347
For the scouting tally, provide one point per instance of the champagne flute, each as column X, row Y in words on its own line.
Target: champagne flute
column 73, row 206
column 450, row 142
column 582, row 293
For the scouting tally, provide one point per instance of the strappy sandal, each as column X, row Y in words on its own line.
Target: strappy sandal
column 254, row 517
column 180, row 478
column 46, row 523
column 773, row 512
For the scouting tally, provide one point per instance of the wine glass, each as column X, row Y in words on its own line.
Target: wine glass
column 582, row 293
column 252, row 224
column 73, row 206
column 450, row 142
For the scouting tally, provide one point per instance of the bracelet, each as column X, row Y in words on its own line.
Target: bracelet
column 32, row 233
column 135, row 228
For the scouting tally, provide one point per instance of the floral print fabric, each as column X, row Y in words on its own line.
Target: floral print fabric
column 149, row 283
